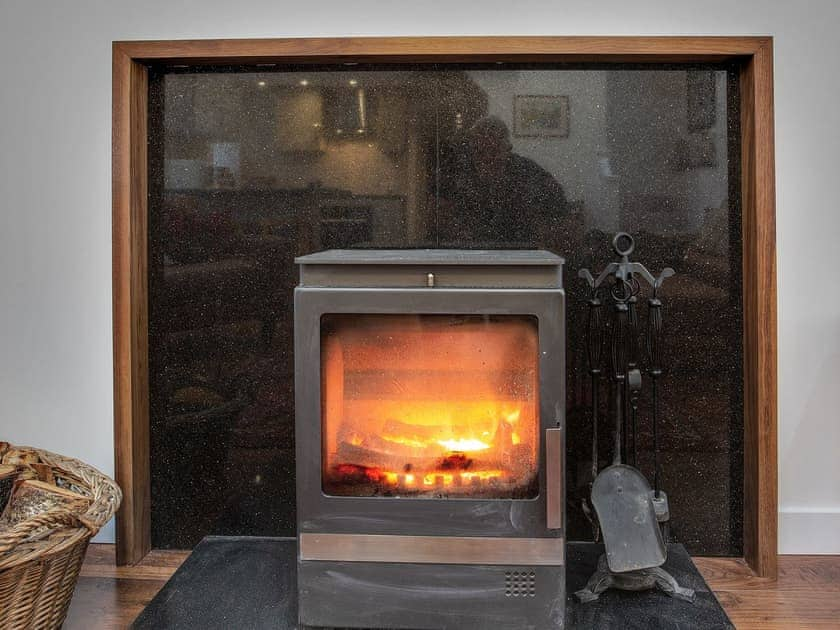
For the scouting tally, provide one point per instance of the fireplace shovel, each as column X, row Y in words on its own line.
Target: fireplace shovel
column 623, row 501
column 624, row 504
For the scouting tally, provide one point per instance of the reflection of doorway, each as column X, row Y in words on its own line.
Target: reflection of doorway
column 130, row 216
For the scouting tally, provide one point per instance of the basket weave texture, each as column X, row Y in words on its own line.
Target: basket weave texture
column 38, row 574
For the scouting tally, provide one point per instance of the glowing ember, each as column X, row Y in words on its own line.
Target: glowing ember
column 464, row 445
column 359, row 474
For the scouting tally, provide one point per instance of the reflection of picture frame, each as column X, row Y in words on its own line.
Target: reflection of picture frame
column 540, row 116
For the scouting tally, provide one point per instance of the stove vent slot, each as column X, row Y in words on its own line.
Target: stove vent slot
column 520, row 584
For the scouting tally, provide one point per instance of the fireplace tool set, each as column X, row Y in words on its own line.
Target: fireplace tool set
column 630, row 515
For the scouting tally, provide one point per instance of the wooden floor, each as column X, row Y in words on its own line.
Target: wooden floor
column 806, row 594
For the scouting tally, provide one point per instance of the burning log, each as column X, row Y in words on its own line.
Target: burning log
column 455, row 461
column 375, row 458
column 422, row 433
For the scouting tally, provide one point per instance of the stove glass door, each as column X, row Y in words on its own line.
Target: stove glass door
column 430, row 406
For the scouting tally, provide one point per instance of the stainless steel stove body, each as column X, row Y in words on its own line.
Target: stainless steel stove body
column 430, row 418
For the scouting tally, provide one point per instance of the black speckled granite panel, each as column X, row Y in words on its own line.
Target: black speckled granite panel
column 251, row 168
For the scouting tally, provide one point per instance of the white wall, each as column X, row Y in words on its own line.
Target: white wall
column 55, row 251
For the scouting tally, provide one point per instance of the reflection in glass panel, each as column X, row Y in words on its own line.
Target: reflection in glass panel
column 251, row 167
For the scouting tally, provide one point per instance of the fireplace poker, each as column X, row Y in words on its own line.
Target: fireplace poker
column 635, row 386
column 594, row 351
column 621, row 292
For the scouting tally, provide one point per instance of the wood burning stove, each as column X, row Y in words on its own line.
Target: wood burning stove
column 430, row 410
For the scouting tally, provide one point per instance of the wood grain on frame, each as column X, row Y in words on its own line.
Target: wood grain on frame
column 130, row 209
column 130, row 306
column 444, row 49
column 759, row 264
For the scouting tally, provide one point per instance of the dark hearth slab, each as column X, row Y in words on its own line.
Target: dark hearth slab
column 243, row 582
column 649, row 610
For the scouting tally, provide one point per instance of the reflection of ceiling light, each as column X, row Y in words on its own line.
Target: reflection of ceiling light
column 339, row 131
column 370, row 144
column 261, row 83
column 458, row 115
column 360, row 130
column 316, row 124
column 304, row 82
column 354, row 82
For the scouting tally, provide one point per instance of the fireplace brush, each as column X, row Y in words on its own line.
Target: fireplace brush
column 594, row 350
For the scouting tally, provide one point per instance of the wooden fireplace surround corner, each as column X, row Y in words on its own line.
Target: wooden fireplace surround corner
column 130, row 216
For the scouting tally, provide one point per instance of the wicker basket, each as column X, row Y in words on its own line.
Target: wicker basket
column 37, row 577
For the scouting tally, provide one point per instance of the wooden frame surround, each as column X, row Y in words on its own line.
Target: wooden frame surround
column 130, row 209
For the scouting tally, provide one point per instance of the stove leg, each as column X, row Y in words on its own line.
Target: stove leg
column 641, row 580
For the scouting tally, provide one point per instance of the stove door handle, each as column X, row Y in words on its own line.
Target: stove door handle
column 554, row 478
